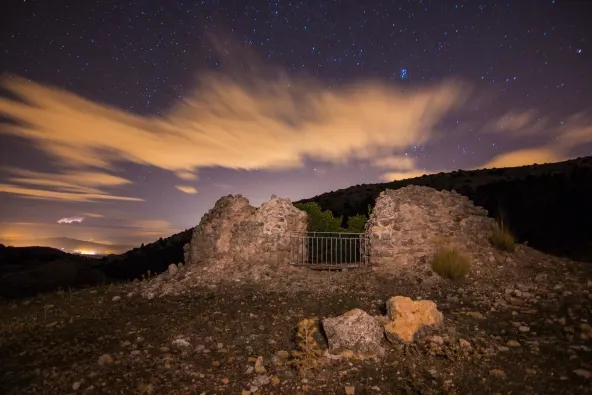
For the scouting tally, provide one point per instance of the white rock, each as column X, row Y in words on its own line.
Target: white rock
column 181, row 343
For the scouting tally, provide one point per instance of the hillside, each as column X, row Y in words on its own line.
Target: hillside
column 547, row 205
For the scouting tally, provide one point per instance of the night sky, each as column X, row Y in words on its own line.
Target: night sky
column 124, row 121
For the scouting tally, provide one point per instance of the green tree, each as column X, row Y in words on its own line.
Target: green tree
column 319, row 220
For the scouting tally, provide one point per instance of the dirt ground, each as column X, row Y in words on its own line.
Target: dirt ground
column 525, row 331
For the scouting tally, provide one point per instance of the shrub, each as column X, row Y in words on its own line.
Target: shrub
column 449, row 262
column 501, row 238
column 319, row 220
column 356, row 223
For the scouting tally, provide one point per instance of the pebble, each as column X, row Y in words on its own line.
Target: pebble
column 105, row 359
column 464, row 343
column 259, row 368
column 350, row 390
column 437, row 339
column 181, row 343
column 583, row 373
column 116, row 298
column 476, row 315
column 524, row 329
column 498, row 373
column 282, row 354
column 513, row 343
column 76, row 385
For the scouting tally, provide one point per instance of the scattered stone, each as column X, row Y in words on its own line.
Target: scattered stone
column 261, row 380
column 116, row 298
column 523, row 328
column 173, row 269
column 408, row 317
column 464, row 343
column 181, row 343
column 583, row 373
column 350, row 390
column 437, row 339
column 225, row 380
column 105, row 359
column 498, row 373
column 275, row 380
column 259, row 368
column 513, row 343
column 356, row 331
column 76, row 386
column 476, row 315
column 283, row 355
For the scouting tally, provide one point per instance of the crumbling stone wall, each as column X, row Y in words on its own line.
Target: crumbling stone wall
column 238, row 233
column 409, row 224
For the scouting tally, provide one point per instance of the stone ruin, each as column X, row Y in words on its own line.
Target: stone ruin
column 409, row 224
column 405, row 228
column 236, row 241
column 238, row 236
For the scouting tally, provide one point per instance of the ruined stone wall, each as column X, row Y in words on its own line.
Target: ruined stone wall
column 234, row 232
column 409, row 224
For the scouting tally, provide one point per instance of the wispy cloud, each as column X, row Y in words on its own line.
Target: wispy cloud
column 262, row 124
column 74, row 186
column 94, row 215
column 187, row 189
column 70, row 220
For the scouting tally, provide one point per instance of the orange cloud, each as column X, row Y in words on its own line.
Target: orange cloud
column 226, row 123
column 524, row 157
column 55, row 195
column 396, row 176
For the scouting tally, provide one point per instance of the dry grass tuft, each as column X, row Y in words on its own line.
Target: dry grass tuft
column 501, row 238
column 449, row 262
column 309, row 347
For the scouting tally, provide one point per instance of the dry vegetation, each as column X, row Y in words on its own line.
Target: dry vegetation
column 449, row 262
column 501, row 238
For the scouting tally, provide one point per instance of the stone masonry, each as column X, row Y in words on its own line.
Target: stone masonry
column 409, row 224
column 234, row 232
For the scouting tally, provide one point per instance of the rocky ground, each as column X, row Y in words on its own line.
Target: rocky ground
column 524, row 328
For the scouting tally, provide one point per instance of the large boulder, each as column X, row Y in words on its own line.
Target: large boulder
column 409, row 224
column 407, row 318
column 355, row 331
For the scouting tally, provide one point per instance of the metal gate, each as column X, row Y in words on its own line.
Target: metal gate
column 328, row 250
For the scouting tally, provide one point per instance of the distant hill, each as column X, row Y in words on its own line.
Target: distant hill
column 155, row 257
column 69, row 244
column 549, row 205
column 26, row 271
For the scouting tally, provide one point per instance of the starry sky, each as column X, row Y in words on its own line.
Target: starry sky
column 124, row 121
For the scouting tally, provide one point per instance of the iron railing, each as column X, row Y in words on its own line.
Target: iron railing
column 331, row 250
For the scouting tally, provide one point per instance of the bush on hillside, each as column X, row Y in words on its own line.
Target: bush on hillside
column 449, row 262
column 501, row 238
